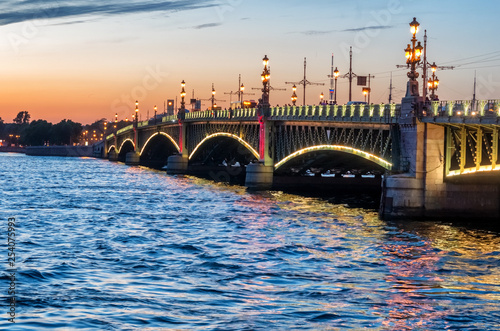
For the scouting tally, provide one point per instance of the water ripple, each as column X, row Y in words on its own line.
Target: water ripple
column 103, row 246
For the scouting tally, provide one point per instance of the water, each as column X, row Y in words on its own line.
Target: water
column 104, row 246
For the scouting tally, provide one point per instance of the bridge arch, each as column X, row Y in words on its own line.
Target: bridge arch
column 157, row 149
column 126, row 146
column 222, row 146
column 160, row 134
column 111, row 148
column 349, row 155
column 228, row 135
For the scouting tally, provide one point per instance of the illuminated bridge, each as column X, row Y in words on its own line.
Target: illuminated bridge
column 431, row 157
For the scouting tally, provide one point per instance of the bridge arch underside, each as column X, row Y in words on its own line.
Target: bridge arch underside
column 221, row 158
column 156, row 151
column 472, row 154
column 331, row 161
column 127, row 146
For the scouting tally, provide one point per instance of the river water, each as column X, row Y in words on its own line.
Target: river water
column 104, row 246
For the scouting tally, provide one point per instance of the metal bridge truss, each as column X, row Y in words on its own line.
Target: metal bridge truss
column 471, row 148
column 249, row 132
column 372, row 139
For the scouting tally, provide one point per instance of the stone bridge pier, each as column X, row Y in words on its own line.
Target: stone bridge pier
column 422, row 187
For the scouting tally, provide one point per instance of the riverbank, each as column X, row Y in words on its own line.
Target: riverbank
column 9, row 149
column 76, row 151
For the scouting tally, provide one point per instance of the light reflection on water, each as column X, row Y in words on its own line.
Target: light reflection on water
column 106, row 246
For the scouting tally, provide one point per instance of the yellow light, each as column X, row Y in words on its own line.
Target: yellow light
column 321, row 96
column 418, row 51
column 242, row 88
column 434, row 67
column 345, row 149
column 294, row 88
column 183, row 83
column 408, row 52
column 466, row 171
column 336, row 73
column 265, row 60
column 414, row 26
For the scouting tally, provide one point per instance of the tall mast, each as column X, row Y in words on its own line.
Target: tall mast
column 350, row 74
column 390, row 90
column 331, row 83
column 424, row 75
column 474, row 93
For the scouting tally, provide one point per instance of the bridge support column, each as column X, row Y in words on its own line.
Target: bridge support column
column 259, row 176
column 113, row 156
column 177, row 164
column 132, row 158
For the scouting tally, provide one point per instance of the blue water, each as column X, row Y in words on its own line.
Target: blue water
column 104, row 246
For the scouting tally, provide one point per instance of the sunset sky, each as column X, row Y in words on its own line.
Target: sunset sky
column 83, row 60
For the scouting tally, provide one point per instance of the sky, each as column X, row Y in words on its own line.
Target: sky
column 84, row 61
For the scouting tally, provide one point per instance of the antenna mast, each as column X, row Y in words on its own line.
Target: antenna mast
column 331, row 83
column 304, row 82
column 390, row 90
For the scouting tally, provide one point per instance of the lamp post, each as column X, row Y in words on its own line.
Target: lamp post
column 294, row 95
column 136, row 117
column 433, row 82
column 336, row 75
column 242, row 88
column 213, row 96
column 413, row 53
column 321, row 97
column 265, row 76
column 366, row 91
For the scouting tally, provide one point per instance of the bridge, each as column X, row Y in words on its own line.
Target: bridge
column 431, row 157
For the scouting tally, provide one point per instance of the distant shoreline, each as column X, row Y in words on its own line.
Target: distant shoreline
column 75, row 151
column 8, row 149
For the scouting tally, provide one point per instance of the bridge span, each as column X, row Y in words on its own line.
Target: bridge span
column 431, row 158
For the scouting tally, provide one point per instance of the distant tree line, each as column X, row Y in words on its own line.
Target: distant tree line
column 39, row 132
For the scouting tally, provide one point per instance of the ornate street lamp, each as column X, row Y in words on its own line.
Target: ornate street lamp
column 321, row 97
column 433, row 82
column 242, row 88
column 336, row 74
column 413, row 53
column 265, row 76
column 366, row 90
column 116, row 121
column 213, row 96
column 183, row 94
column 155, row 112
column 294, row 95
column 136, row 112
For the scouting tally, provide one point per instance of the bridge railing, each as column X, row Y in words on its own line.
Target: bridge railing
column 237, row 114
column 462, row 109
column 129, row 127
column 343, row 113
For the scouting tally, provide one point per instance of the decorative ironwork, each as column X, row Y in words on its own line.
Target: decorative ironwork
column 376, row 140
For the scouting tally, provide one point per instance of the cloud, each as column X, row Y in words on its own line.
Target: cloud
column 208, row 25
column 374, row 27
column 12, row 11
column 316, row 32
